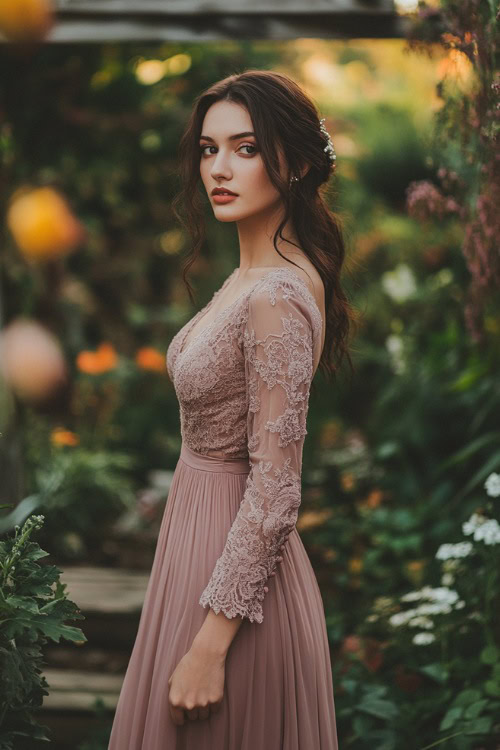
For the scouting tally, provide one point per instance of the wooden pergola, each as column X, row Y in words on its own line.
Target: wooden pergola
column 210, row 20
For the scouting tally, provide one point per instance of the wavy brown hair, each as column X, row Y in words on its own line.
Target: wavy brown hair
column 284, row 118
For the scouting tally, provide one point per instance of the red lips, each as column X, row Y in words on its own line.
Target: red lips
column 222, row 191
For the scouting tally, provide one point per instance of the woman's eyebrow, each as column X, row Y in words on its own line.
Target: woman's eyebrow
column 231, row 137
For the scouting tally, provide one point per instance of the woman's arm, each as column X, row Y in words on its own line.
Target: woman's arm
column 218, row 631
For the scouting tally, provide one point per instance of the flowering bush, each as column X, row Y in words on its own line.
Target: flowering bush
column 457, row 629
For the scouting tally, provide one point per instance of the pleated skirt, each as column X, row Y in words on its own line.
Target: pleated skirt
column 278, row 692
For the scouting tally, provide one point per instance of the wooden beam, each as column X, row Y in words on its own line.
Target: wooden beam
column 213, row 20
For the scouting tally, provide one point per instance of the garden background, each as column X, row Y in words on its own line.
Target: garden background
column 401, row 471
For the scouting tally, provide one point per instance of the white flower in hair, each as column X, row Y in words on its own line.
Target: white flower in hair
column 329, row 149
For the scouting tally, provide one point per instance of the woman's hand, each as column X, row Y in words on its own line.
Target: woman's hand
column 196, row 685
column 197, row 682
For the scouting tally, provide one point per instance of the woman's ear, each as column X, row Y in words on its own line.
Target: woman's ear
column 304, row 170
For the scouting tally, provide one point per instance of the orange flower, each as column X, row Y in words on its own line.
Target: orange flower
column 26, row 20
column 60, row 436
column 42, row 223
column 102, row 360
column 355, row 564
column 149, row 358
column 374, row 499
column 347, row 481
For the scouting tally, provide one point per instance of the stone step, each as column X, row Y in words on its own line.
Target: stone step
column 105, row 590
column 77, row 690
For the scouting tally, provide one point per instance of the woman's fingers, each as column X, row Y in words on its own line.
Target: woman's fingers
column 177, row 715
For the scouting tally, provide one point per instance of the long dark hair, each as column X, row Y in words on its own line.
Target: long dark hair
column 282, row 114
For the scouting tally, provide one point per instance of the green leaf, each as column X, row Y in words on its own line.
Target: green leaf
column 473, row 711
column 451, row 717
column 490, row 655
column 492, row 688
column 479, row 726
column 55, row 630
column 436, row 672
column 20, row 602
column 383, row 709
column 471, row 695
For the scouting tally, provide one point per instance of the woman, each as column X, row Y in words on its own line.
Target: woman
column 231, row 651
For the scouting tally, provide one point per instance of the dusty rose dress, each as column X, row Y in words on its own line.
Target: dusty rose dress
column 243, row 383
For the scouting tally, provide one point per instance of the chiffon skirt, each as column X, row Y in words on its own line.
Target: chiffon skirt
column 278, row 692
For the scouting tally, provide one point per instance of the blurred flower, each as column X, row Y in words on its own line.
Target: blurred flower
column 102, row 360
column 347, row 481
column 352, row 644
column 31, row 359
column 355, row 564
column 447, row 579
column 150, row 359
column 485, row 530
column 395, row 346
column 26, row 20
column 420, row 621
column 425, row 201
column 492, row 485
column 374, row 499
column 440, row 601
column 399, row 283
column 42, row 223
column 474, row 522
column 60, row 436
column 445, row 551
column 423, row 639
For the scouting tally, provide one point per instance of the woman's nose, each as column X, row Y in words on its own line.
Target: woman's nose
column 220, row 167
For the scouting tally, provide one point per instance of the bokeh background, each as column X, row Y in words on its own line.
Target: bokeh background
column 401, row 472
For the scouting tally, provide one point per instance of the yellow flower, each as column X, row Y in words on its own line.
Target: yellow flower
column 42, row 223
column 26, row 20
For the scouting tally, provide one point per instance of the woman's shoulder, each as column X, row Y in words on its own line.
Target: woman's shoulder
column 301, row 274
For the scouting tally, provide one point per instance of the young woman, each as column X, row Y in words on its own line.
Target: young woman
column 232, row 651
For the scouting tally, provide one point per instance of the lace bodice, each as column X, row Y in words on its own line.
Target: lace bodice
column 243, row 386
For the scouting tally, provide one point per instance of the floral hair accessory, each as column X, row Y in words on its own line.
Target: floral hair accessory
column 329, row 149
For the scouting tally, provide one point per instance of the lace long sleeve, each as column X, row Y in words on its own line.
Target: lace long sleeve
column 278, row 350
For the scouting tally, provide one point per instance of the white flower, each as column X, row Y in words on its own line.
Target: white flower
column 395, row 347
column 447, row 579
column 474, row 522
column 434, row 608
column 412, row 596
column 423, row 639
column 492, row 485
column 488, row 532
column 399, row 284
column 401, row 618
column 461, row 549
column 421, row 622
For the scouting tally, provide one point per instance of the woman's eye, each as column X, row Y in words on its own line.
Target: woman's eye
column 244, row 145
column 249, row 145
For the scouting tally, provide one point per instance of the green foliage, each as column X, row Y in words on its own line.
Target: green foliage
column 33, row 609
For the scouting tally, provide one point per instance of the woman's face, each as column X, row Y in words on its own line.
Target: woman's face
column 234, row 163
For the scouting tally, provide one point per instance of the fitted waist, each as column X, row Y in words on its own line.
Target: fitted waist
column 214, row 463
